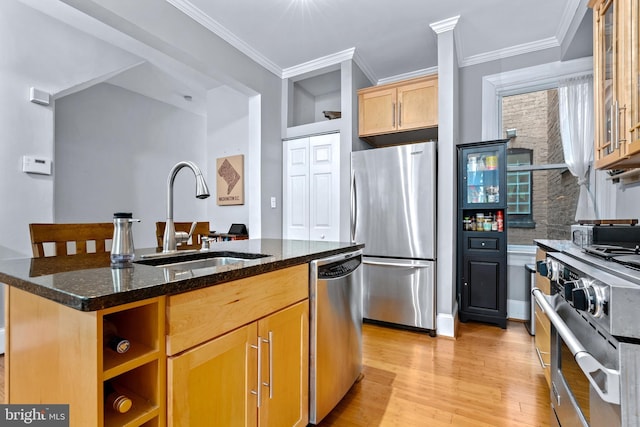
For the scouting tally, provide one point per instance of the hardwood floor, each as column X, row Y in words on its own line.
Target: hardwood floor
column 486, row 377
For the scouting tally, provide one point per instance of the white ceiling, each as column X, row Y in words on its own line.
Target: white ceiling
column 390, row 38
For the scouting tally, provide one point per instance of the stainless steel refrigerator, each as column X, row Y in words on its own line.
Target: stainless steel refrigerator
column 393, row 212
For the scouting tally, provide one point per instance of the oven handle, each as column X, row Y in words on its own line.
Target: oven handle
column 610, row 392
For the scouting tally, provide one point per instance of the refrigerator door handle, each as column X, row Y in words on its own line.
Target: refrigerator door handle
column 398, row 263
column 354, row 207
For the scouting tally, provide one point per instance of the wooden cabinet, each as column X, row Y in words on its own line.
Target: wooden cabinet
column 398, row 107
column 482, row 238
column 71, row 364
column 543, row 326
column 616, row 83
column 239, row 352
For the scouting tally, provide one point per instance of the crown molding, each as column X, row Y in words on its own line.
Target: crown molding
column 364, row 67
column 547, row 43
column 445, row 25
column 318, row 63
column 571, row 19
column 214, row 26
column 404, row 76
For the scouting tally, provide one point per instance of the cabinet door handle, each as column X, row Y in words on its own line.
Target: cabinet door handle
column 270, row 383
column 544, row 365
column 616, row 127
column 400, row 114
column 258, row 392
column 393, row 114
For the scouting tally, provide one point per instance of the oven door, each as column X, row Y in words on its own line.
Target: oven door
column 585, row 375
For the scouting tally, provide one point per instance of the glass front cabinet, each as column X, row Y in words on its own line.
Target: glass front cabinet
column 616, row 70
column 481, row 230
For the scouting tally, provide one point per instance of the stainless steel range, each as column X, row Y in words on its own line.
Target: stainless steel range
column 595, row 335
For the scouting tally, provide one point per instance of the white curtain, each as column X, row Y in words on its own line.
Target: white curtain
column 575, row 97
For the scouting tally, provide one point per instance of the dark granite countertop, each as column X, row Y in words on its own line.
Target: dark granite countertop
column 88, row 283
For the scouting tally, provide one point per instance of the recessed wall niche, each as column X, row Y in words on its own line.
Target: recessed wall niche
column 311, row 97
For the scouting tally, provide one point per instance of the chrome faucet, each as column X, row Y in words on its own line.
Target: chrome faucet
column 169, row 240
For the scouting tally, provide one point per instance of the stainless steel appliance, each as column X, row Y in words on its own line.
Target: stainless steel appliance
column 336, row 331
column 393, row 214
column 595, row 340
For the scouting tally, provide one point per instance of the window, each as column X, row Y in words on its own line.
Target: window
column 519, row 188
column 554, row 190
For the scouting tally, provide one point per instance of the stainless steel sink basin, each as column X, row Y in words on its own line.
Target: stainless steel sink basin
column 192, row 260
column 203, row 263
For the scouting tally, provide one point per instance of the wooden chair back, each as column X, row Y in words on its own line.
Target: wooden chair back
column 202, row 229
column 62, row 235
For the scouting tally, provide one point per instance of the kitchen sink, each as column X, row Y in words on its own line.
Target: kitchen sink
column 192, row 260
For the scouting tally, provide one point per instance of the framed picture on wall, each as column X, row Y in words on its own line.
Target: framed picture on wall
column 230, row 180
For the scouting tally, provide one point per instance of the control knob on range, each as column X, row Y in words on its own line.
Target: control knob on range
column 587, row 296
column 553, row 269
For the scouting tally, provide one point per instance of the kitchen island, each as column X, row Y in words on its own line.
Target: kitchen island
column 218, row 345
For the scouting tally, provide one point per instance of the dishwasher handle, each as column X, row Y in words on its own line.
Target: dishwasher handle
column 336, row 267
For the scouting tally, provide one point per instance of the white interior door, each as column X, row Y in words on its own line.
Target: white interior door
column 296, row 189
column 324, row 195
column 311, row 192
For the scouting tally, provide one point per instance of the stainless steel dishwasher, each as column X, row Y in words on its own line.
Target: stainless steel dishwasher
column 336, row 331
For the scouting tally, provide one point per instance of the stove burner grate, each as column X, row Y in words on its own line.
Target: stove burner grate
column 609, row 251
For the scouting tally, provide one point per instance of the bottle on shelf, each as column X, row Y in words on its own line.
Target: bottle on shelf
column 115, row 399
column 112, row 339
column 487, row 222
column 500, row 221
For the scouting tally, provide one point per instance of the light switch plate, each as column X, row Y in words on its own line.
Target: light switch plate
column 273, row 203
column 39, row 165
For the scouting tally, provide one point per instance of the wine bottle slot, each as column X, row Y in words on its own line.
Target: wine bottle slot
column 112, row 339
column 115, row 399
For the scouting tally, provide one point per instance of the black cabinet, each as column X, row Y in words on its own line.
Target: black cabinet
column 482, row 232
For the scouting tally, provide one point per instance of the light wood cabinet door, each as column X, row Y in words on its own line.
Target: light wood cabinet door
column 210, row 385
column 606, row 69
column 285, row 367
column 616, row 83
column 377, row 111
column 418, row 105
column 398, row 107
column 634, row 50
column 543, row 326
column 216, row 383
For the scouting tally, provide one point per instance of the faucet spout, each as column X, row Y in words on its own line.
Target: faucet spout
column 169, row 243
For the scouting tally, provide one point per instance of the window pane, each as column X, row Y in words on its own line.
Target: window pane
column 541, row 204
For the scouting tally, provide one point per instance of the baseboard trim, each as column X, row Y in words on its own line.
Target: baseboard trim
column 446, row 324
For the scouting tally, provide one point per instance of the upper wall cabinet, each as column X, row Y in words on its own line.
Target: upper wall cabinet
column 404, row 106
column 616, row 83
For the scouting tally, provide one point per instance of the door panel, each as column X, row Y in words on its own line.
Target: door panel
column 324, row 207
column 285, row 367
column 377, row 112
column 399, row 291
column 296, row 189
column 418, row 105
column 225, row 370
column 394, row 190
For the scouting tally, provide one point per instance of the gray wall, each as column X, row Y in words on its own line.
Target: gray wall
column 163, row 27
column 471, row 87
column 37, row 58
column 114, row 150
